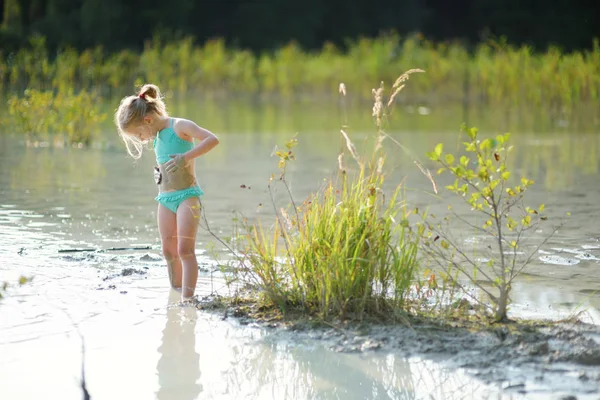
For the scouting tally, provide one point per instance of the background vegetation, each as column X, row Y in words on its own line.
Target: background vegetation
column 493, row 73
column 270, row 24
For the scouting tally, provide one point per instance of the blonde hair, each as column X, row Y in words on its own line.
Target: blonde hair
column 132, row 111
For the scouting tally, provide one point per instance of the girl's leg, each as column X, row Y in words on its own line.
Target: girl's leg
column 188, row 218
column 167, row 227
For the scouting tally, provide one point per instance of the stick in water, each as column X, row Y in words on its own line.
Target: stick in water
column 108, row 249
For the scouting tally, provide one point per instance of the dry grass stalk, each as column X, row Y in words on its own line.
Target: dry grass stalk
column 393, row 96
column 427, row 174
column 404, row 77
column 351, row 148
column 380, row 162
column 341, row 163
column 379, row 143
column 378, row 104
column 286, row 219
column 397, row 87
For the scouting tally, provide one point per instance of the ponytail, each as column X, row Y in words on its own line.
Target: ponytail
column 133, row 109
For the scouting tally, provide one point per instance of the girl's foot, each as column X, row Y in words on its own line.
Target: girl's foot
column 189, row 301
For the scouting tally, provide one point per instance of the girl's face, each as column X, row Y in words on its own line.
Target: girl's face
column 143, row 131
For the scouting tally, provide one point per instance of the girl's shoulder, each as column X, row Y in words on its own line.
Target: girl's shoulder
column 178, row 125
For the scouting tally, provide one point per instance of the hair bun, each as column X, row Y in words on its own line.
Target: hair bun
column 149, row 91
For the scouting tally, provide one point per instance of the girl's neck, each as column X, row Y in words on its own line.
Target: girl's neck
column 162, row 123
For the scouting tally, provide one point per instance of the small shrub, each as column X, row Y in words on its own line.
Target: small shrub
column 483, row 181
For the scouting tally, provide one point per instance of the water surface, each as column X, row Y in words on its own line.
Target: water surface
column 139, row 344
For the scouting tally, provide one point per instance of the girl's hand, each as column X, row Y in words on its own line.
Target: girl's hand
column 176, row 162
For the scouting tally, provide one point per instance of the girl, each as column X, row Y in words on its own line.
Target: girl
column 143, row 118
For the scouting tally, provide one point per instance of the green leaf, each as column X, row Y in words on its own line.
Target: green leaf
column 444, row 244
column 459, row 171
column 526, row 182
column 472, row 132
column 464, row 161
column 505, row 175
column 432, row 156
column 449, row 159
column 485, row 145
column 542, row 207
column 438, row 150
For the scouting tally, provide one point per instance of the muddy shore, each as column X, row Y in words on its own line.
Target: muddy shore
column 533, row 358
column 557, row 359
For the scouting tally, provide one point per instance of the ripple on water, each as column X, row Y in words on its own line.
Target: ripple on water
column 591, row 246
column 554, row 259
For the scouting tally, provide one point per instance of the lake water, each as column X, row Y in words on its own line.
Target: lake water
column 138, row 344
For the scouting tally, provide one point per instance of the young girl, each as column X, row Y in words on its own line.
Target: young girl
column 143, row 118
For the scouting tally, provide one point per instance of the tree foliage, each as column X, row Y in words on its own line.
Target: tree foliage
column 268, row 24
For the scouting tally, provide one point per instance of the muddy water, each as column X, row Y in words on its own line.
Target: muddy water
column 140, row 344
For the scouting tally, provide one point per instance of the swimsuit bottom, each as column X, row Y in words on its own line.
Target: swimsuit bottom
column 172, row 200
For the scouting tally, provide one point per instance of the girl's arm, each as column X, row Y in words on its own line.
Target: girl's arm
column 189, row 129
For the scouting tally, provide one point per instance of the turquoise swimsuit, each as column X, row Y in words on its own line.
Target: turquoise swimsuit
column 167, row 142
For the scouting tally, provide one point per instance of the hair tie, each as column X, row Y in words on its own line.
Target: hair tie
column 142, row 96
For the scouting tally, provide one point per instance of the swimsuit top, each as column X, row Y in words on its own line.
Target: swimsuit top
column 167, row 142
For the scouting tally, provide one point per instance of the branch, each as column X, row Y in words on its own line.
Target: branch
column 555, row 229
column 291, row 198
column 203, row 212
column 463, row 270
column 463, row 255
column 477, row 228
column 455, row 282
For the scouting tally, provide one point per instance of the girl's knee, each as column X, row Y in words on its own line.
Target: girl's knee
column 170, row 253
column 186, row 250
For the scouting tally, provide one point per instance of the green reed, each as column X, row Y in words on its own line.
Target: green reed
column 348, row 250
column 492, row 73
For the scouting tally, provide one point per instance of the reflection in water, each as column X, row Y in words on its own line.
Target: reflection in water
column 66, row 172
column 178, row 367
column 284, row 368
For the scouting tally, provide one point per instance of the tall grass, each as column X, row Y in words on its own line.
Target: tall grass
column 348, row 250
column 61, row 117
column 490, row 74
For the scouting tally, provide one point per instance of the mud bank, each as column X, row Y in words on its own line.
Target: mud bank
column 527, row 358
column 539, row 358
